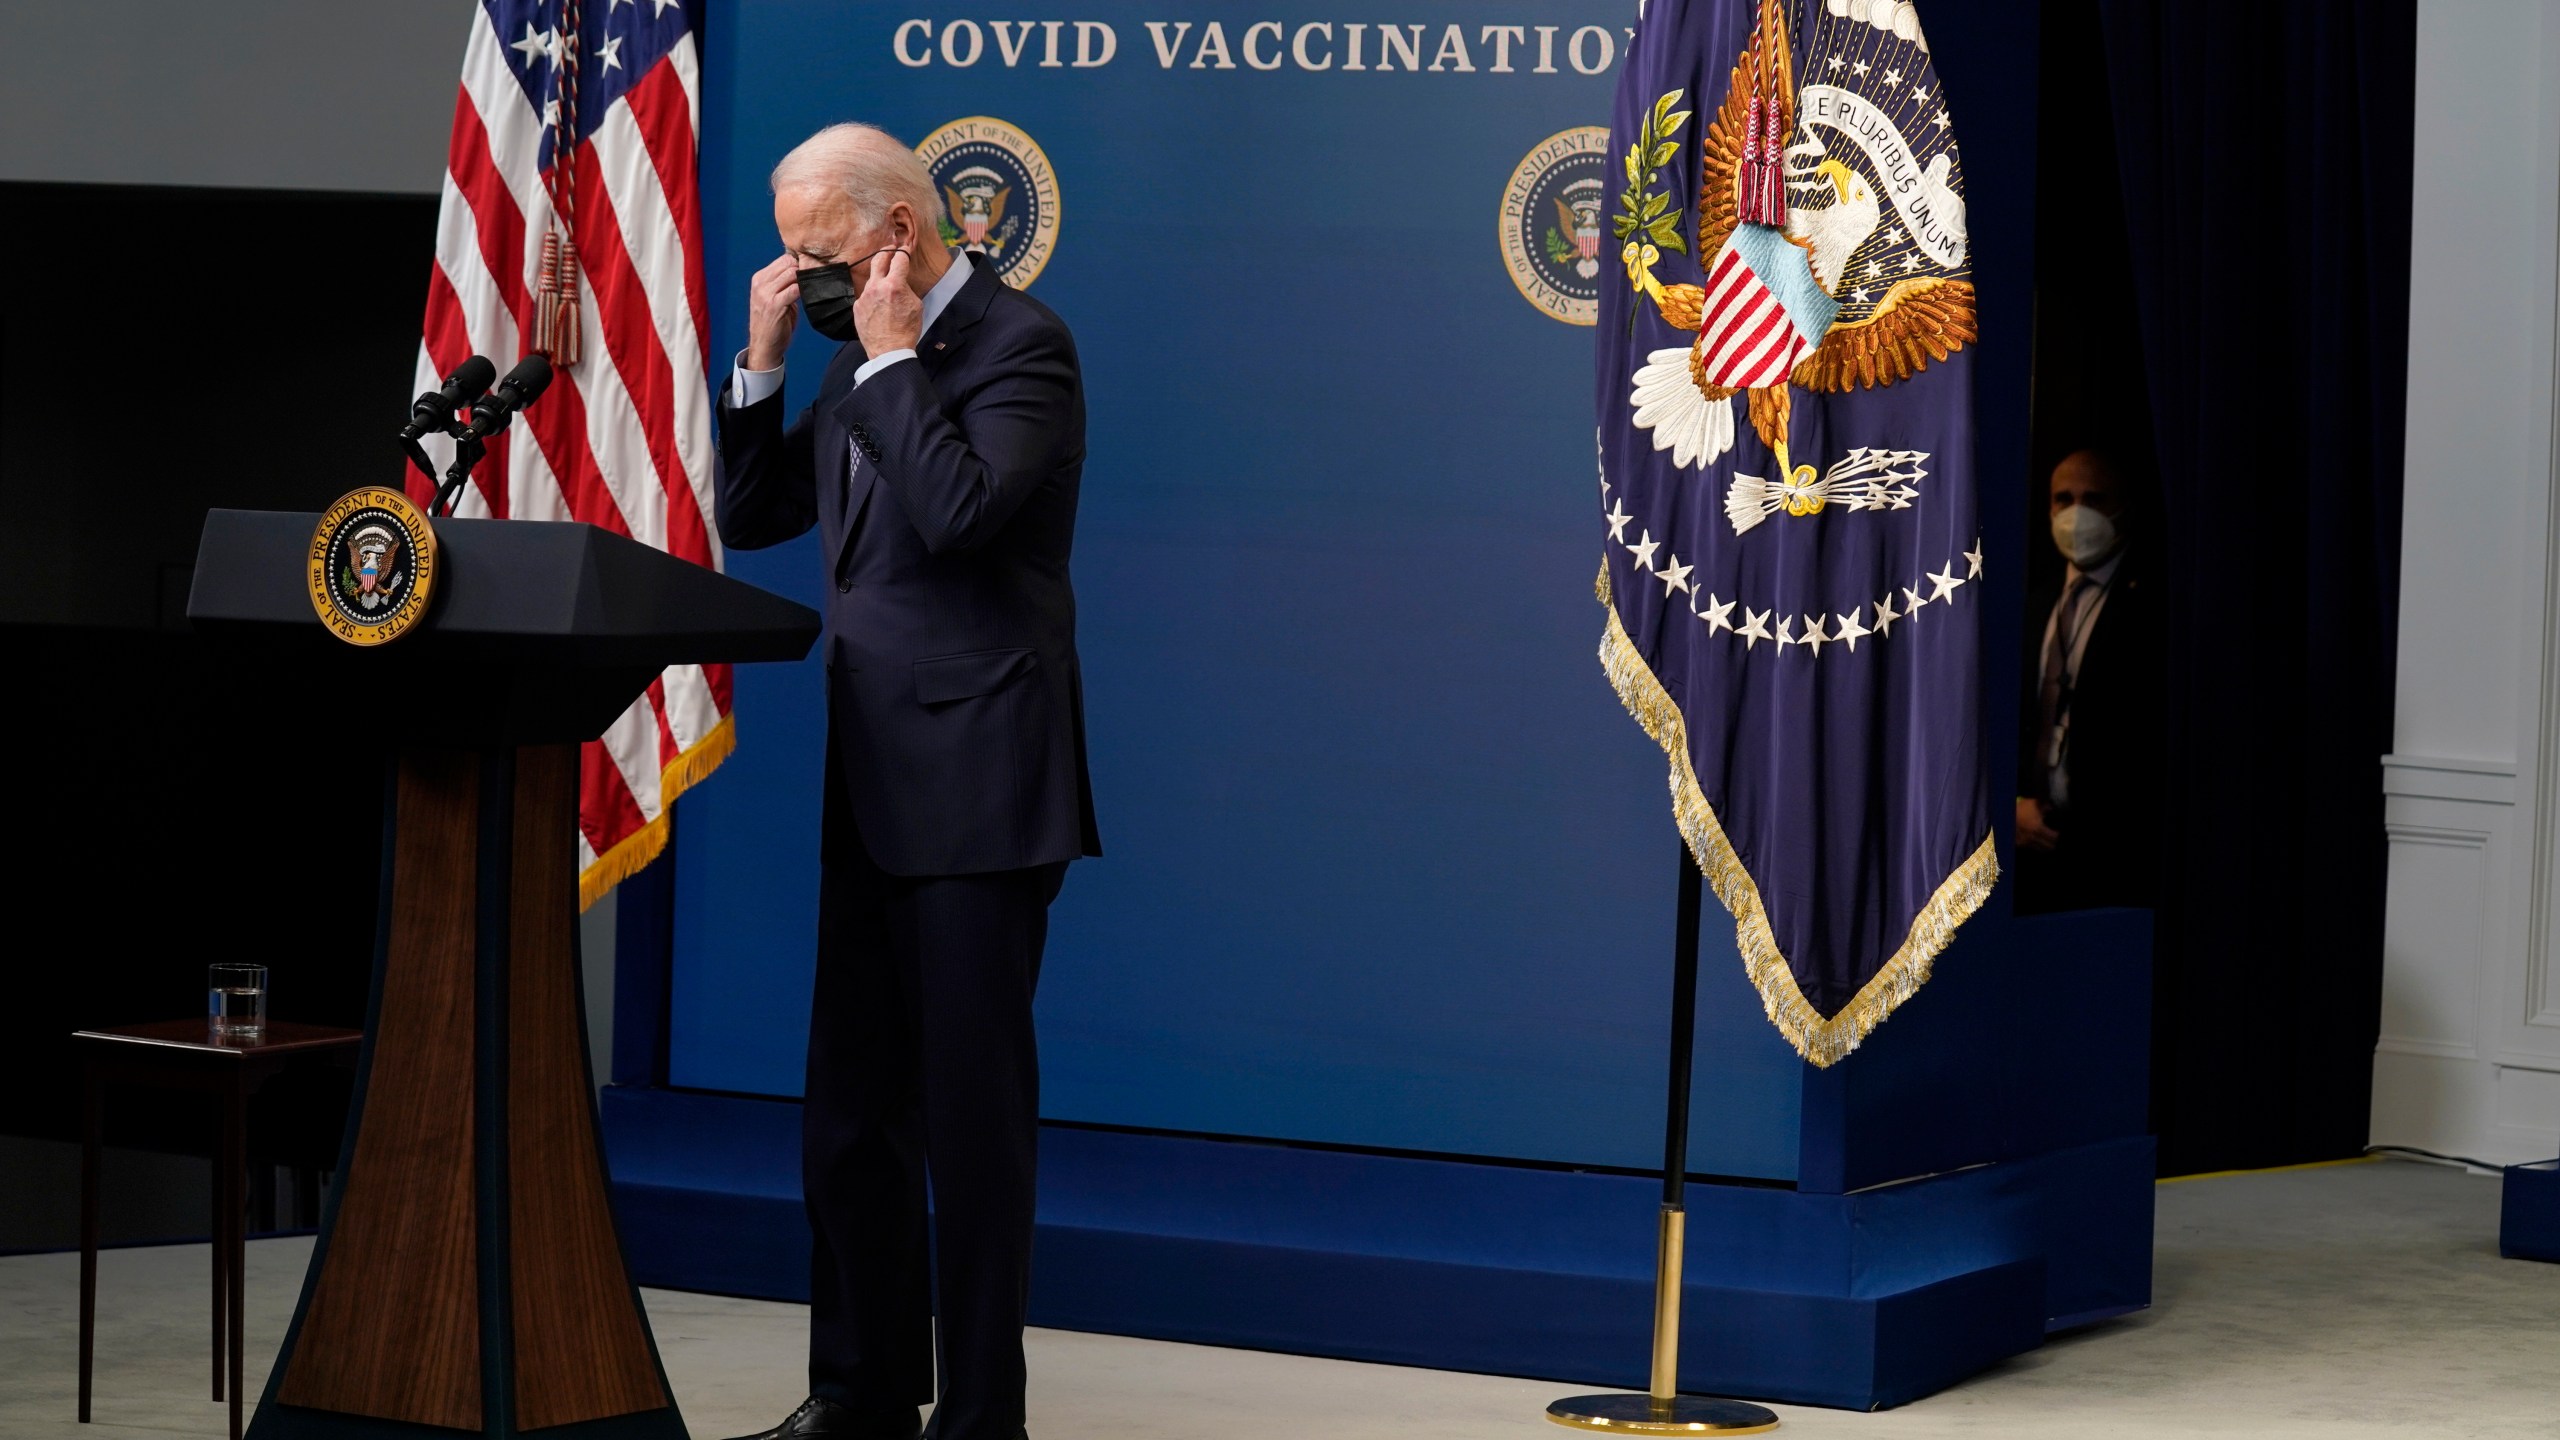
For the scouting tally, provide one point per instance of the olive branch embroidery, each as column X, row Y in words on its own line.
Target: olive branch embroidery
column 1647, row 221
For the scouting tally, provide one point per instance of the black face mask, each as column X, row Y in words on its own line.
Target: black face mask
column 826, row 295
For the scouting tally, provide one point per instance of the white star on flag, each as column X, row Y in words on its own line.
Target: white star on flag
column 1718, row 614
column 1946, row 581
column 1816, row 632
column 537, row 44
column 1618, row 518
column 1885, row 616
column 1755, row 627
column 1643, row 550
column 1787, row 631
column 1674, row 576
column 611, row 54
column 1850, row 630
column 1973, row 559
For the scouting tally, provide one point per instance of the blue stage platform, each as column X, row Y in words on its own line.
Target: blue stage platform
column 2529, row 1212
column 1974, row 1179
column 1862, row 1301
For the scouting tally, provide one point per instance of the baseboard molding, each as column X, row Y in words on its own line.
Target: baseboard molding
column 1860, row 1301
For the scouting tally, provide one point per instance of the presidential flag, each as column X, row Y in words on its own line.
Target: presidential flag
column 1786, row 478
column 572, row 225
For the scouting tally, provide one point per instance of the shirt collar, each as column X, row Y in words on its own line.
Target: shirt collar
column 938, row 299
column 2104, row 574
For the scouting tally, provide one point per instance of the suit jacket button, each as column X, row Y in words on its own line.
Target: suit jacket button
column 844, row 584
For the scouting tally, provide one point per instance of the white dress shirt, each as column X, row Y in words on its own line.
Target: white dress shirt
column 746, row 386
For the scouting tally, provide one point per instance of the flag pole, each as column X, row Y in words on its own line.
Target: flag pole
column 1665, row 1411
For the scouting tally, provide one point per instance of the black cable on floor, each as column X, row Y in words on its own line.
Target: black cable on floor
column 2452, row 1159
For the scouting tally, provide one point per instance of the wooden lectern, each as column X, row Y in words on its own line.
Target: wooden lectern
column 467, row 1276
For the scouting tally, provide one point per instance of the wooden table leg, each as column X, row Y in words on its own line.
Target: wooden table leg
column 91, row 1139
column 220, row 1252
column 235, row 1200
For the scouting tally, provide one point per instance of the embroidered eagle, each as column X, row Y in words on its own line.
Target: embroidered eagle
column 1833, row 215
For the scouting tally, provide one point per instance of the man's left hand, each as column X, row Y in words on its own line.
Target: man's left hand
column 888, row 315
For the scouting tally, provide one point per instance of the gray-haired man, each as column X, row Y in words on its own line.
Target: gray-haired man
column 939, row 464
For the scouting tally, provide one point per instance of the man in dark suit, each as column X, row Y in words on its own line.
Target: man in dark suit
column 939, row 464
column 2089, row 728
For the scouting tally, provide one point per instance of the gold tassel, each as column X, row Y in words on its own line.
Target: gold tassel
column 1821, row 1041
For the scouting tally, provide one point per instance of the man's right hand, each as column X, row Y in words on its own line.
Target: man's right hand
column 773, row 309
column 2034, row 831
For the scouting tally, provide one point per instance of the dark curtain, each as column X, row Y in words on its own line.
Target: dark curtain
column 157, row 827
column 2264, row 151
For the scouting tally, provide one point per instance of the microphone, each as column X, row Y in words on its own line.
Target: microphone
column 433, row 411
column 523, row 385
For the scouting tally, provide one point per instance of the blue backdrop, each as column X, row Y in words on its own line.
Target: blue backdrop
column 1386, row 865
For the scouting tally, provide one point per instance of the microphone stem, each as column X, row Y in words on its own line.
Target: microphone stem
column 465, row 455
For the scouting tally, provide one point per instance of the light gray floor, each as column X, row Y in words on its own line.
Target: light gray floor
column 2357, row 1300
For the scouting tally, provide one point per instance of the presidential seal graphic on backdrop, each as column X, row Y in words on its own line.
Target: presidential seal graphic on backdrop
column 372, row 566
column 1550, row 223
column 1000, row 192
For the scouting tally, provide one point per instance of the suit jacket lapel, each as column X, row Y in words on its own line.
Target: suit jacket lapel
column 934, row 350
column 959, row 317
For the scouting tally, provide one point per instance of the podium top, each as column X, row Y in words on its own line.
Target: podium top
column 538, row 631
column 559, row 591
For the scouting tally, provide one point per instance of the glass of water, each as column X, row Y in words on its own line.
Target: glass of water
column 236, row 1002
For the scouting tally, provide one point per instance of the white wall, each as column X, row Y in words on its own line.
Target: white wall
column 2469, row 1059
column 261, row 94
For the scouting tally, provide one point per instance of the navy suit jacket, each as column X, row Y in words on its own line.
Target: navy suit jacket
column 955, row 704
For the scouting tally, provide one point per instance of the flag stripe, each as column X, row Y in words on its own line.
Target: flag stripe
column 1762, row 319
column 629, row 320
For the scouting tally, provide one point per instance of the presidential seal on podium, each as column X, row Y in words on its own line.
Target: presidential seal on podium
column 372, row 566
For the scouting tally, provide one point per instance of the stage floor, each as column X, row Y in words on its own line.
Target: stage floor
column 2326, row 1302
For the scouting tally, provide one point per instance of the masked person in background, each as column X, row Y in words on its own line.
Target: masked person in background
column 939, row 461
column 2089, row 731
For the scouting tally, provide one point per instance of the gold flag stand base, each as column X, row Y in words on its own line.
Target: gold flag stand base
column 1666, row 1411
column 1642, row 1415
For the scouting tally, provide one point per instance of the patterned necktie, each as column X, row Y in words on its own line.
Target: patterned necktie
column 2057, row 658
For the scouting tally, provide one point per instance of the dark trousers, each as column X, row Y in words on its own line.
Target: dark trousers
column 922, row 1065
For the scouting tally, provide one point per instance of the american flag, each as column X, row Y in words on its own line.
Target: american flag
column 575, row 134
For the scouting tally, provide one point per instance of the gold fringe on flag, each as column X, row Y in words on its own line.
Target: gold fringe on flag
column 633, row 852
column 1820, row 1040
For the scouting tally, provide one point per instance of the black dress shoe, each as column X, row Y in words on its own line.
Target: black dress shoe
column 818, row 1419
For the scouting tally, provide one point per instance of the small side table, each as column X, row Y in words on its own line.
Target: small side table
column 182, row 1055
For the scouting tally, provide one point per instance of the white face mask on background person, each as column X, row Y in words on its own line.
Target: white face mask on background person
column 2084, row 535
